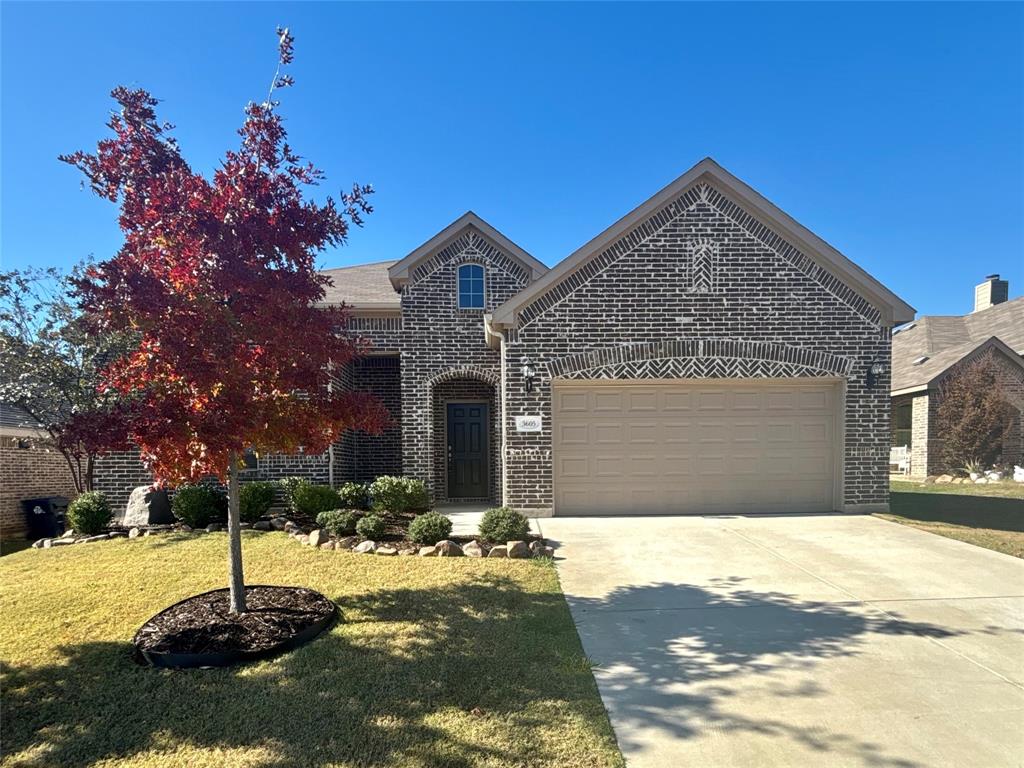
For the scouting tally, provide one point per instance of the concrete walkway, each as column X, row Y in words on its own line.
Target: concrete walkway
column 798, row 641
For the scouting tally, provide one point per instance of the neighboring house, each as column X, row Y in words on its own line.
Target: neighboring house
column 30, row 467
column 704, row 354
column 924, row 354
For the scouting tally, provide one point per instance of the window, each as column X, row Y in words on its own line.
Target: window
column 251, row 460
column 902, row 423
column 471, row 286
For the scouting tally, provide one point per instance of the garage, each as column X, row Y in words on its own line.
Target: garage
column 695, row 447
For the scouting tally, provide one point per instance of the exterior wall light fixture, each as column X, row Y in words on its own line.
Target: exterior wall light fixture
column 529, row 374
column 875, row 369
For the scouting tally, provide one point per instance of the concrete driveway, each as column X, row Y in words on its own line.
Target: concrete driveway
column 824, row 640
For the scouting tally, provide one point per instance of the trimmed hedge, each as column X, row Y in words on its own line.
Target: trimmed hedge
column 430, row 528
column 90, row 513
column 398, row 494
column 197, row 505
column 254, row 500
column 338, row 522
column 371, row 527
column 502, row 524
column 354, row 496
column 310, row 500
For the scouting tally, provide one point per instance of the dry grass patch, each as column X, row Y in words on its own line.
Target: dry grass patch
column 435, row 662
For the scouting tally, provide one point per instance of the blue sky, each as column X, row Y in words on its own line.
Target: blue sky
column 894, row 131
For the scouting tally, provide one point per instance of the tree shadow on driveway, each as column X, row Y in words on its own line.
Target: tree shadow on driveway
column 682, row 661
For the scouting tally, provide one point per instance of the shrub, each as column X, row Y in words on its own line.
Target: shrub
column 289, row 485
column 398, row 494
column 338, row 522
column 310, row 500
column 354, row 496
column 199, row 505
column 430, row 528
column 974, row 415
column 89, row 513
column 504, row 524
column 254, row 500
column 370, row 527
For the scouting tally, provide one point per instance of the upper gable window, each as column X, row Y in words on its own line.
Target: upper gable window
column 471, row 286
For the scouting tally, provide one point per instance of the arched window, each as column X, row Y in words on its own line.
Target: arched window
column 471, row 286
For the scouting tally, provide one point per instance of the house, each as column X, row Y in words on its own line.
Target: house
column 704, row 354
column 927, row 351
column 30, row 467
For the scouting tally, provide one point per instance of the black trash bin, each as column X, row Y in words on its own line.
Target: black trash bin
column 46, row 516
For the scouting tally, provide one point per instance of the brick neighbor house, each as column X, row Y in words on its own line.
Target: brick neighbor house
column 704, row 354
column 927, row 351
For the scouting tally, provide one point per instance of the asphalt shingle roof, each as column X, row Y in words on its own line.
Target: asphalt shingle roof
column 362, row 285
column 944, row 340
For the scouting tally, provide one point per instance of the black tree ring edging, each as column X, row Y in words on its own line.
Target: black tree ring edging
column 186, row 660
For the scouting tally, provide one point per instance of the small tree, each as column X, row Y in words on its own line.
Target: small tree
column 218, row 279
column 51, row 366
column 973, row 415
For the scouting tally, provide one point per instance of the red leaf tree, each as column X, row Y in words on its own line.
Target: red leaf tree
column 217, row 279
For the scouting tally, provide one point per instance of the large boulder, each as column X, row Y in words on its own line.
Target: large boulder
column 147, row 506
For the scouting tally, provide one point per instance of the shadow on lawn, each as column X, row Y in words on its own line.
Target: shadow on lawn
column 385, row 681
column 361, row 694
column 993, row 512
column 687, row 660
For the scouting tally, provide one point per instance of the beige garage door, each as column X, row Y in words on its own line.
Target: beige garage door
column 694, row 448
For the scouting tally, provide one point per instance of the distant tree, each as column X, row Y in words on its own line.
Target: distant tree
column 218, row 279
column 51, row 365
column 974, row 416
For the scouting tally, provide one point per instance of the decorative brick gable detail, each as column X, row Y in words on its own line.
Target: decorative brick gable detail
column 763, row 309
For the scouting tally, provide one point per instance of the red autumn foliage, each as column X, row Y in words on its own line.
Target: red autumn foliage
column 217, row 278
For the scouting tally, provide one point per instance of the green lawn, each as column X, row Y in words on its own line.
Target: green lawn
column 990, row 516
column 434, row 662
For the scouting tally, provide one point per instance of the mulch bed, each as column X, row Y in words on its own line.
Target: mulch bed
column 203, row 625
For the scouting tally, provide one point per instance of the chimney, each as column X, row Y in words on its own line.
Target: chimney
column 993, row 291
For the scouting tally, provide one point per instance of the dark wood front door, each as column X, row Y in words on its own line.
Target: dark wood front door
column 468, row 464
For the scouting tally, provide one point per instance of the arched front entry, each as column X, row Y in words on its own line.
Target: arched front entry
column 465, row 440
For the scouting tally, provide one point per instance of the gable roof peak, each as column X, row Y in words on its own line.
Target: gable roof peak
column 399, row 272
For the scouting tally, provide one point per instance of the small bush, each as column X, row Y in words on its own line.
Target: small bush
column 310, row 500
column 199, row 505
column 354, row 496
column 254, row 500
column 370, row 527
column 289, row 485
column 398, row 494
column 338, row 522
column 89, row 513
column 504, row 524
column 430, row 528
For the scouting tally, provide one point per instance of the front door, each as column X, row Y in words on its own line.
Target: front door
column 468, row 465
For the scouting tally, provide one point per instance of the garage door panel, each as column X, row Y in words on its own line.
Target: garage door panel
column 752, row 447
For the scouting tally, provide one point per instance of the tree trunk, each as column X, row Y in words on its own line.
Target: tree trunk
column 236, row 582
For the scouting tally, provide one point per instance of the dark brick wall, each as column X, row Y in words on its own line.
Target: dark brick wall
column 26, row 473
column 361, row 457
column 700, row 289
column 441, row 343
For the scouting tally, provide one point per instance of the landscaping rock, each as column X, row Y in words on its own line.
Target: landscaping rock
column 303, row 538
column 518, row 549
column 430, row 551
column 448, row 548
column 147, row 506
column 118, row 535
column 473, row 549
column 68, row 534
column 134, row 533
column 184, row 529
column 543, row 551
column 944, row 479
column 365, row 547
column 348, row 542
column 212, row 528
column 318, row 537
column 957, row 480
column 61, row 542
column 40, row 543
column 981, row 481
column 244, row 526
column 277, row 523
column 97, row 537
column 498, row 551
column 387, row 551
column 328, row 545
column 930, row 480
column 263, row 525
column 402, row 552
column 290, row 526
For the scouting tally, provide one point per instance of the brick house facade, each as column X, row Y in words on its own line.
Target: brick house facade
column 930, row 350
column 706, row 298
